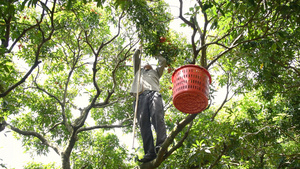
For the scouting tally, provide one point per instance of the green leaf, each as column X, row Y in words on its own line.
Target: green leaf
column 274, row 46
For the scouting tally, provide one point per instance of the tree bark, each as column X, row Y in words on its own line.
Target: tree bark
column 65, row 158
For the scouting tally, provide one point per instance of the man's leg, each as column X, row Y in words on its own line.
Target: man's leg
column 157, row 117
column 143, row 117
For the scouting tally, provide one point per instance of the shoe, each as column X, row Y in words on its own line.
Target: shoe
column 147, row 158
column 157, row 148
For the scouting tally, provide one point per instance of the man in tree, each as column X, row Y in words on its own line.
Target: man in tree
column 150, row 104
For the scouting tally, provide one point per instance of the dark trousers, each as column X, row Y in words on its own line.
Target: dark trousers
column 150, row 111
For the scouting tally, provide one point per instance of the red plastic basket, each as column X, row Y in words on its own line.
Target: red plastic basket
column 191, row 88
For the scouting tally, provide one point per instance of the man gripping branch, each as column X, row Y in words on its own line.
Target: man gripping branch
column 150, row 104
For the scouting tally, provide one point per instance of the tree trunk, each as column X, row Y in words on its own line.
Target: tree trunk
column 65, row 158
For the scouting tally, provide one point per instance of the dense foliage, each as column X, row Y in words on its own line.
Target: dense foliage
column 65, row 75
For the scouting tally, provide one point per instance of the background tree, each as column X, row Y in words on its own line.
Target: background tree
column 243, row 39
column 247, row 42
column 80, row 49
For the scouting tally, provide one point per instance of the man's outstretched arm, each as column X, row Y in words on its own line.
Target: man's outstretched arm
column 162, row 62
column 136, row 60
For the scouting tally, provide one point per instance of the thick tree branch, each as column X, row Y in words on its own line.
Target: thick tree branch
column 79, row 122
column 118, row 33
column 127, row 54
column 178, row 128
column 37, row 53
column 232, row 46
column 101, row 127
column 5, row 40
column 193, row 26
column 179, row 144
column 76, row 57
column 37, row 135
column 235, row 42
column 62, row 106
column 66, row 154
column 216, row 42
column 55, row 125
column 203, row 59
column 36, row 63
column 182, row 18
column 43, row 90
column 194, row 46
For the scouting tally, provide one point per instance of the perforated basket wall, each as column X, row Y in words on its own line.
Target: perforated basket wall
column 191, row 88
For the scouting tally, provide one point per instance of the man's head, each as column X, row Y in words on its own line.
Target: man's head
column 147, row 67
